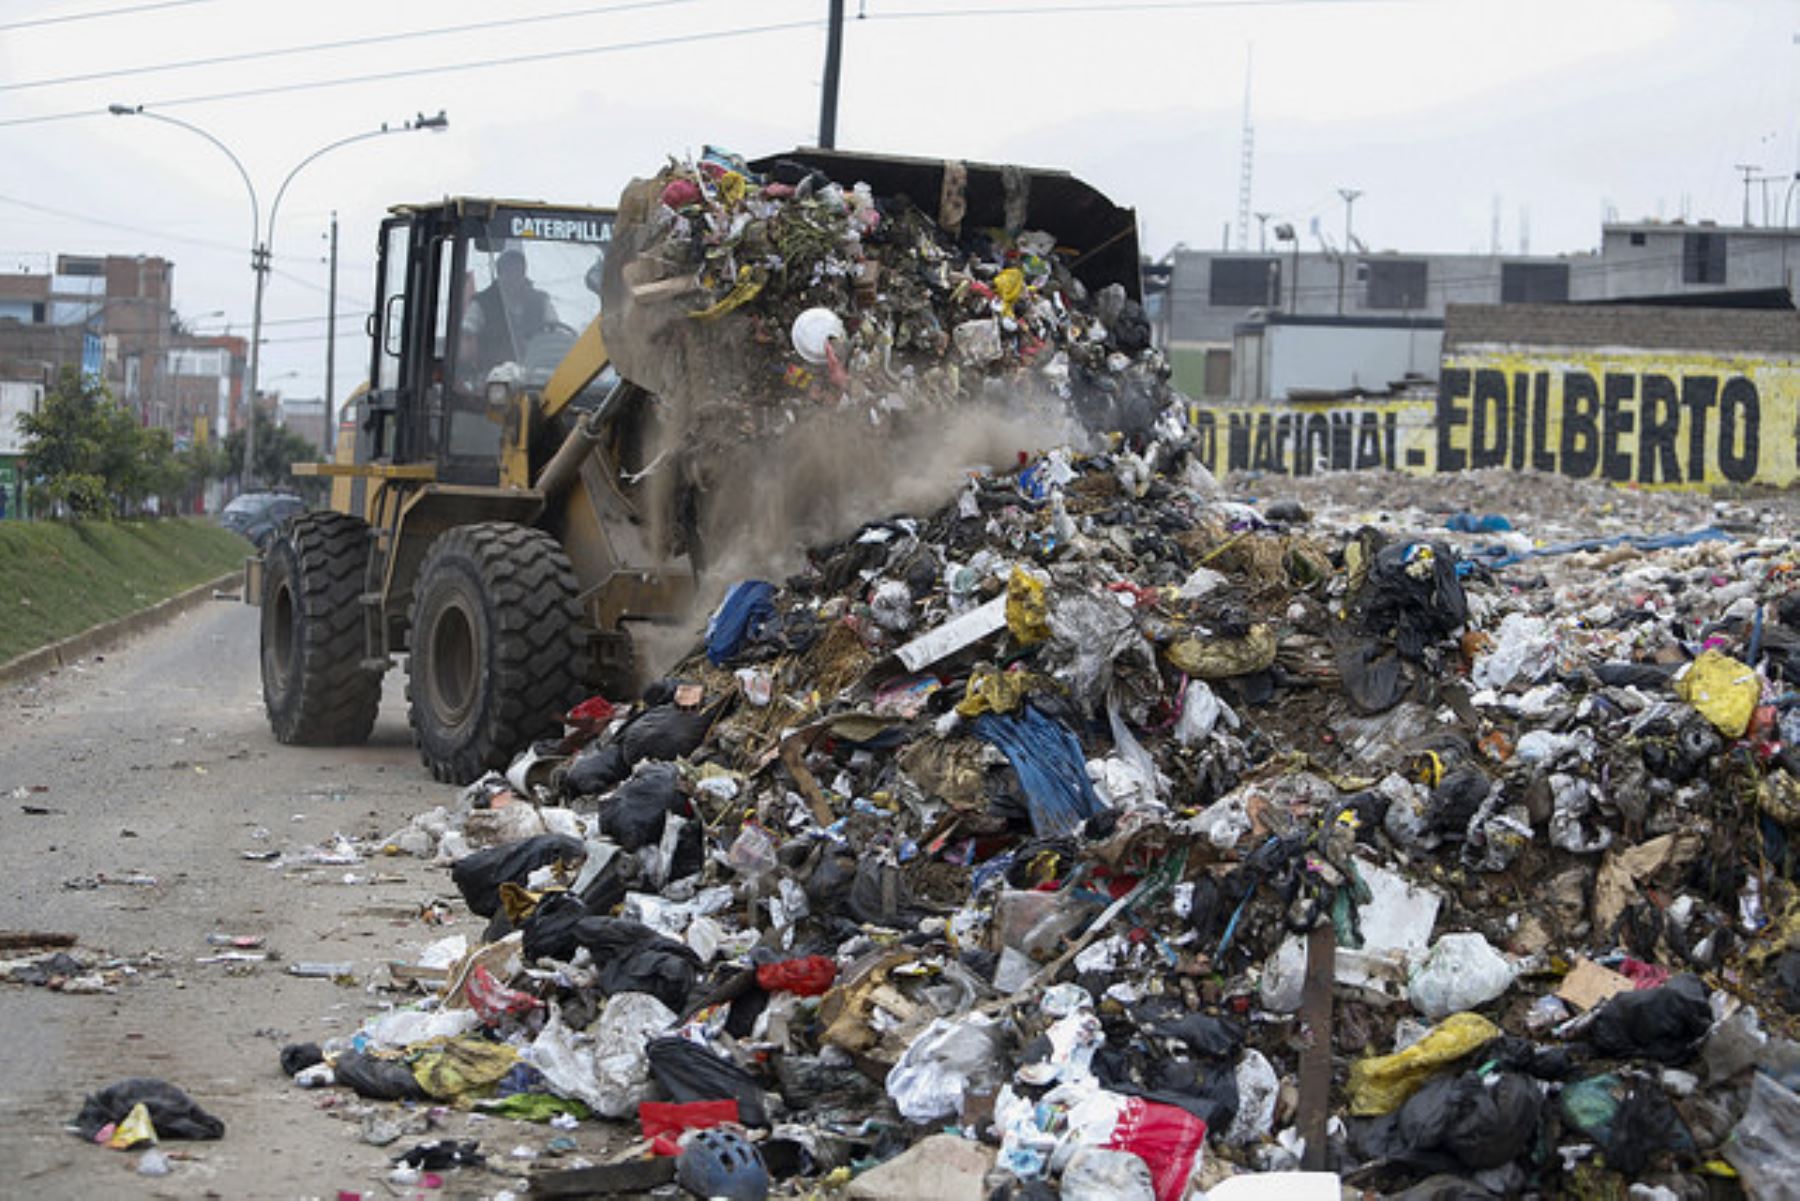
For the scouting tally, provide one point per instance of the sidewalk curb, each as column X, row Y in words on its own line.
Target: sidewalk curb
column 110, row 633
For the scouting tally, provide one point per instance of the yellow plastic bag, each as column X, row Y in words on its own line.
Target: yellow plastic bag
column 1222, row 658
column 1382, row 1083
column 1723, row 690
column 135, row 1131
column 1027, row 610
column 991, row 690
column 1009, row 285
column 459, row 1066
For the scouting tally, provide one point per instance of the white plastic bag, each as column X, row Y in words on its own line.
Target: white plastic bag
column 937, row 1069
column 1258, row 1089
column 1460, row 972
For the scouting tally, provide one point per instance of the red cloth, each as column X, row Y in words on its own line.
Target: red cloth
column 591, row 715
column 807, row 976
column 1644, row 975
column 670, row 1118
column 491, row 999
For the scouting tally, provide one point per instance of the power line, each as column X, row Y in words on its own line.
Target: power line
column 99, row 13
column 1044, row 10
column 340, row 44
column 136, row 229
column 446, row 68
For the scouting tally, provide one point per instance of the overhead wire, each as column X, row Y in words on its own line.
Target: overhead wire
column 510, row 60
column 379, row 39
column 98, row 14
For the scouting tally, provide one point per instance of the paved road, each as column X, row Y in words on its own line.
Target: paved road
column 157, row 761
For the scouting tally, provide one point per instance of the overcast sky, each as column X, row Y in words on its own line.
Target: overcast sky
column 1436, row 110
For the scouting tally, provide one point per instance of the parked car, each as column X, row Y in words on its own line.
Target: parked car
column 257, row 515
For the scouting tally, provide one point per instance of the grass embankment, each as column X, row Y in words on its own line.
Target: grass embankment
column 59, row 578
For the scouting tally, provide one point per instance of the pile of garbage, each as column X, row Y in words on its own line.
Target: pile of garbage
column 1020, row 825
column 1109, row 832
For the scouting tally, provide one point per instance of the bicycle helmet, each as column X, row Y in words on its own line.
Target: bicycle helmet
column 719, row 1163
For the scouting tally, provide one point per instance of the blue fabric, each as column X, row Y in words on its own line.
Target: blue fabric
column 1468, row 523
column 1052, row 770
column 747, row 607
column 1496, row 556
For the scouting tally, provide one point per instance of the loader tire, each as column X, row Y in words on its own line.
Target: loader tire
column 315, row 687
column 498, row 653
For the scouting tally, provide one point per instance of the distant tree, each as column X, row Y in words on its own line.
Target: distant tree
column 277, row 450
column 79, row 444
column 90, row 458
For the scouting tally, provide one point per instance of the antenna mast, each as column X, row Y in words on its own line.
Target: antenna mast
column 1248, row 158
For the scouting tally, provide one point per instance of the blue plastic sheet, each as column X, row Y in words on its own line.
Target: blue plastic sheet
column 1497, row 556
column 1052, row 770
column 748, row 606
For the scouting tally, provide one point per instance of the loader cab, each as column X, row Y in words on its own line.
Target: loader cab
column 476, row 302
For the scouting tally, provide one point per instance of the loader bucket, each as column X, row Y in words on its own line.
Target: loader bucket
column 1100, row 236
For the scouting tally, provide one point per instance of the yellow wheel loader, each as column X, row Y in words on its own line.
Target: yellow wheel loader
column 488, row 528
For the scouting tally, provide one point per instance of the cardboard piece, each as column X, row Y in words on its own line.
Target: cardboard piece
column 1589, row 984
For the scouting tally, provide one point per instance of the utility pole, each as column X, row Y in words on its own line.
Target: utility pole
column 834, row 58
column 1748, row 169
column 1262, row 231
column 1349, row 195
column 330, row 436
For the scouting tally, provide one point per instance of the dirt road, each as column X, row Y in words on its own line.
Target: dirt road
column 157, row 762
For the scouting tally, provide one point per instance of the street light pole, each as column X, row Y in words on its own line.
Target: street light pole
column 260, row 244
column 1349, row 195
column 330, row 436
column 138, row 110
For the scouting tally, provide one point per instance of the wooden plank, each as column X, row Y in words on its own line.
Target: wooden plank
column 1315, row 1059
column 610, row 1180
column 17, row 940
column 822, row 812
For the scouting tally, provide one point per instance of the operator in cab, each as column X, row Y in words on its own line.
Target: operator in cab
column 503, row 317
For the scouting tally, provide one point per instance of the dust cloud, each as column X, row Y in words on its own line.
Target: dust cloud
column 760, row 504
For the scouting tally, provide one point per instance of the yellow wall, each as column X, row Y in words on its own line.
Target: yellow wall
column 1651, row 418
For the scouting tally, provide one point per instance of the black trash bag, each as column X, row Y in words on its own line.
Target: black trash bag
column 1207, row 1036
column 666, row 732
column 172, row 1111
column 1634, row 675
column 609, row 886
column 1456, row 799
column 376, row 1079
column 666, row 970
column 550, row 930
column 1415, row 601
column 1522, row 1055
column 740, row 1018
column 442, row 1153
column 1645, row 1126
column 689, row 1072
column 631, row 957
column 1206, row 1090
column 634, row 815
column 875, row 886
column 297, row 1057
column 1787, row 980
column 1372, row 676
column 596, row 769
column 479, row 876
column 1665, row 1024
column 608, row 938
column 690, row 853
column 1462, row 1122
column 829, row 884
